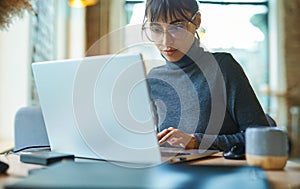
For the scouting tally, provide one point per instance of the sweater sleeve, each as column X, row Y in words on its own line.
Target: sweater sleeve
column 242, row 102
column 219, row 142
column 242, row 105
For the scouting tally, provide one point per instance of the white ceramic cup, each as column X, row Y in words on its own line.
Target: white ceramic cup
column 266, row 147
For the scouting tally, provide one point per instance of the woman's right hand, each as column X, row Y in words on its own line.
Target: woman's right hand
column 176, row 137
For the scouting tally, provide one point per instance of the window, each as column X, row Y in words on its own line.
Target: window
column 42, row 38
column 237, row 27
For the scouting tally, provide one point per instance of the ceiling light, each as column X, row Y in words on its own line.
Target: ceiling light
column 81, row 3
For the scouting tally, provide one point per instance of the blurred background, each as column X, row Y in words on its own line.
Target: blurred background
column 263, row 35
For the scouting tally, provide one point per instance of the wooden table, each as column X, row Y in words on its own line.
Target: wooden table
column 289, row 177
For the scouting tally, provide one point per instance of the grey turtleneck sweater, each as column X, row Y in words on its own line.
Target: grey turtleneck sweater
column 208, row 95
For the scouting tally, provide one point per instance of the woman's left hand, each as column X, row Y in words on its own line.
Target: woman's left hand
column 176, row 137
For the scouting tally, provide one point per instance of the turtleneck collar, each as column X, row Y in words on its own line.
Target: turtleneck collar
column 185, row 60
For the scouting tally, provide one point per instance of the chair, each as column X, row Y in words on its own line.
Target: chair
column 30, row 130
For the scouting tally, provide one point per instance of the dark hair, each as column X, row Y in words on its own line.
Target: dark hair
column 170, row 8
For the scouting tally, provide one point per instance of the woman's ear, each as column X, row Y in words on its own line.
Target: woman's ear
column 198, row 20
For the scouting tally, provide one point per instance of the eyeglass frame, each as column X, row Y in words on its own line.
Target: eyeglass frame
column 188, row 21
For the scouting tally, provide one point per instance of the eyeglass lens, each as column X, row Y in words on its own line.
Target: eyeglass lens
column 155, row 31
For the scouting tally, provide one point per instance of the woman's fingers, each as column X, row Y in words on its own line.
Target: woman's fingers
column 161, row 134
column 177, row 137
column 166, row 136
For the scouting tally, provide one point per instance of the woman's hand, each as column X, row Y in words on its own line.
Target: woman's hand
column 176, row 137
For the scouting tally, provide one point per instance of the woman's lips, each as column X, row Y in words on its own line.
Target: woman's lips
column 169, row 52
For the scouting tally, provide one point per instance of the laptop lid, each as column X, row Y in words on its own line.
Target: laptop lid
column 98, row 107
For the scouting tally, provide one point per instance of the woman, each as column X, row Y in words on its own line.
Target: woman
column 202, row 99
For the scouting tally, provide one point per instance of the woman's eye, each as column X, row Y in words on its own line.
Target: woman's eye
column 177, row 28
column 156, row 29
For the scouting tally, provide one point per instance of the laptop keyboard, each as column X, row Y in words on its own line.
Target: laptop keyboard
column 174, row 153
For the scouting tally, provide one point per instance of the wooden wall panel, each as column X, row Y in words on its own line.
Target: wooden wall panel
column 97, row 26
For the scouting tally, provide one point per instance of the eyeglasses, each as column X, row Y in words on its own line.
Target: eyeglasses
column 155, row 30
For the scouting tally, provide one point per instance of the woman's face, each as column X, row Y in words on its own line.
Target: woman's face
column 173, row 37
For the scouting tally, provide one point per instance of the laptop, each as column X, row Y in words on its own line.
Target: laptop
column 99, row 108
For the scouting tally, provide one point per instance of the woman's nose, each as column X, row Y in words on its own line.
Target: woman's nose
column 167, row 39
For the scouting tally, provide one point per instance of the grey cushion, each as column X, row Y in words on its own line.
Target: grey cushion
column 30, row 130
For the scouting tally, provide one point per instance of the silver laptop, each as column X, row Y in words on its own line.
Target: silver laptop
column 99, row 107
